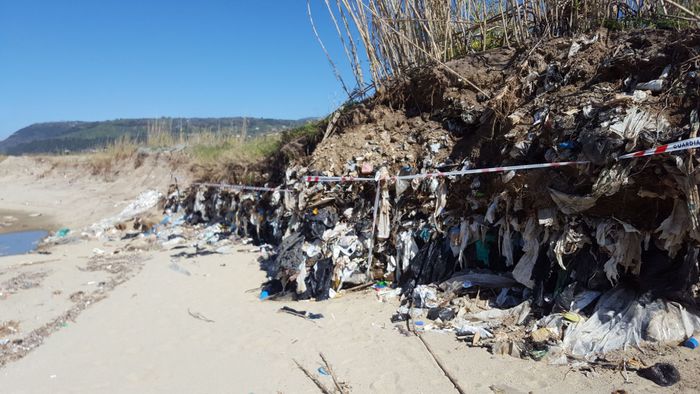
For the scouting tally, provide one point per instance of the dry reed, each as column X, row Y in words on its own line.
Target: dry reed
column 396, row 35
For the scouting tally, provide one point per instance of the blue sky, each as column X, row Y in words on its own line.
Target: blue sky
column 106, row 59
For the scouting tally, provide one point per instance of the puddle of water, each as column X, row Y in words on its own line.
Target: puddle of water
column 20, row 242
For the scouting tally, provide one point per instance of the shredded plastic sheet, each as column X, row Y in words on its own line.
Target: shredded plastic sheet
column 531, row 248
column 384, row 221
column 623, row 243
column 406, row 249
column 142, row 204
column 301, row 278
column 469, row 232
column 687, row 183
column 424, row 297
column 674, row 228
column 624, row 319
column 440, row 202
column 609, row 182
column 506, row 241
column 453, row 236
column 637, row 121
column 519, row 312
column 655, row 85
column 469, row 329
column 493, row 207
column 483, row 279
column 199, row 205
column 611, row 179
column 569, row 242
column 570, row 204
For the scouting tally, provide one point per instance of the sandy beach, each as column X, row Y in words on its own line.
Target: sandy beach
column 100, row 318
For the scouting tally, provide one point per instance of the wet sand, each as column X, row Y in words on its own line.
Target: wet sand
column 12, row 220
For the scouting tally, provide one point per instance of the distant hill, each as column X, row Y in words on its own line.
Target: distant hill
column 57, row 137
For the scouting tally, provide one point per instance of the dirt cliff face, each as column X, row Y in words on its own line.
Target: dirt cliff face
column 574, row 85
column 561, row 100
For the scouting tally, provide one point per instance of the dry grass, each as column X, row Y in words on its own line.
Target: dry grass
column 233, row 159
column 209, row 152
column 103, row 162
column 212, row 148
column 2, row 157
column 396, row 35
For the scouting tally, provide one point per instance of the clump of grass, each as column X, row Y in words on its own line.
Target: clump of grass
column 311, row 129
column 159, row 134
column 212, row 149
column 121, row 149
column 2, row 157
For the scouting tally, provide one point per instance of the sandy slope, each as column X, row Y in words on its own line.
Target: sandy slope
column 64, row 192
column 142, row 338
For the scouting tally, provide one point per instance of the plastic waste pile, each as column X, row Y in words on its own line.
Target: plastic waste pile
column 556, row 262
column 253, row 216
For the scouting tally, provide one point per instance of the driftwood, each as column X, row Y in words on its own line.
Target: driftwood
column 342, row 387
column 199, row 316
column 442, row 367
column 313, row 378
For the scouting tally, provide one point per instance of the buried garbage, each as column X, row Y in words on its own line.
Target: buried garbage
column 581, row 253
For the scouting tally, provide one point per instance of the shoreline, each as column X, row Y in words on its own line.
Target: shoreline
column 15, row 221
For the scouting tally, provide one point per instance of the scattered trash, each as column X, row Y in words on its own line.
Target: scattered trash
column 302, row 314
column 339, row 387
column 143, row 203
column 444, row 314
column 691, row 343
column 663, row 374
column 9, row 328
column 177, row 268
column 199, row 316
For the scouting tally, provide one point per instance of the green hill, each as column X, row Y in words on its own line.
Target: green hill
column 55, row 137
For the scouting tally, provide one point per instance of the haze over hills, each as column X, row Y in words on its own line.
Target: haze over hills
column 54, row 137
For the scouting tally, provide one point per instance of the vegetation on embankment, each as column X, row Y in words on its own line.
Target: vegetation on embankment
column 385, row 39
column 213, row 157
column 62, row 137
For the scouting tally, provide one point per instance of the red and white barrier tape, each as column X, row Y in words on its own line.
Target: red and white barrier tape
column 241, row 187
column 690, row 143
column 487, row 170
column 341, row 179
column 333, row 179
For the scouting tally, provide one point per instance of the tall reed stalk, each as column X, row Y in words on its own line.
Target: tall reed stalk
column 396, row 35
